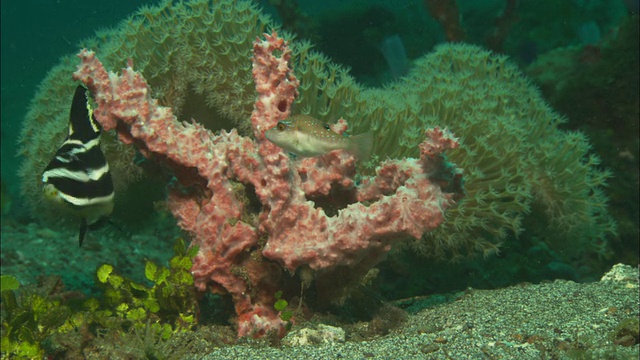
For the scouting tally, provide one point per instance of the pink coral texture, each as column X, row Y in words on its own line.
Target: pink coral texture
column 258, row 214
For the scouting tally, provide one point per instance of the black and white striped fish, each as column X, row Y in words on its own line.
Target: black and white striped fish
column 78, row 176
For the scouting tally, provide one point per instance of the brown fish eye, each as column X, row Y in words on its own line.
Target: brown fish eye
column 280, row 126
column 326, row 126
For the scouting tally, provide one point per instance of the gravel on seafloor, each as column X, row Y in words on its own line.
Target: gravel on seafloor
column 555, row 320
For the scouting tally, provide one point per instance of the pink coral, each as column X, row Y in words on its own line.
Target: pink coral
column 242, row 249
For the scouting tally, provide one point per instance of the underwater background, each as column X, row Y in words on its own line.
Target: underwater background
column 582, row 55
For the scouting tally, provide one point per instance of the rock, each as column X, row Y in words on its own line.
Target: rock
column 321, row 334
column 621, row 273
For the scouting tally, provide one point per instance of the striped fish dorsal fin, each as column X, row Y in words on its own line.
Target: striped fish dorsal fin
column 83, row 126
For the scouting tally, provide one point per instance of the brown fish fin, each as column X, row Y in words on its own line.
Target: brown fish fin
column 361, row 145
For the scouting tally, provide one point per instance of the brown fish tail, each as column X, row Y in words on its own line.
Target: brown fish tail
column 361, row 145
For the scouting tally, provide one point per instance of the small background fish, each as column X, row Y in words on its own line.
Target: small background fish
column 305, row 135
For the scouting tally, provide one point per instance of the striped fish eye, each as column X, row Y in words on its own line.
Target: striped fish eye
column 281, row 126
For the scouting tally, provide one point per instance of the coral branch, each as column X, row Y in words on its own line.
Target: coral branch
column 244, row 247
column 446, row 13
column 503, row 24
